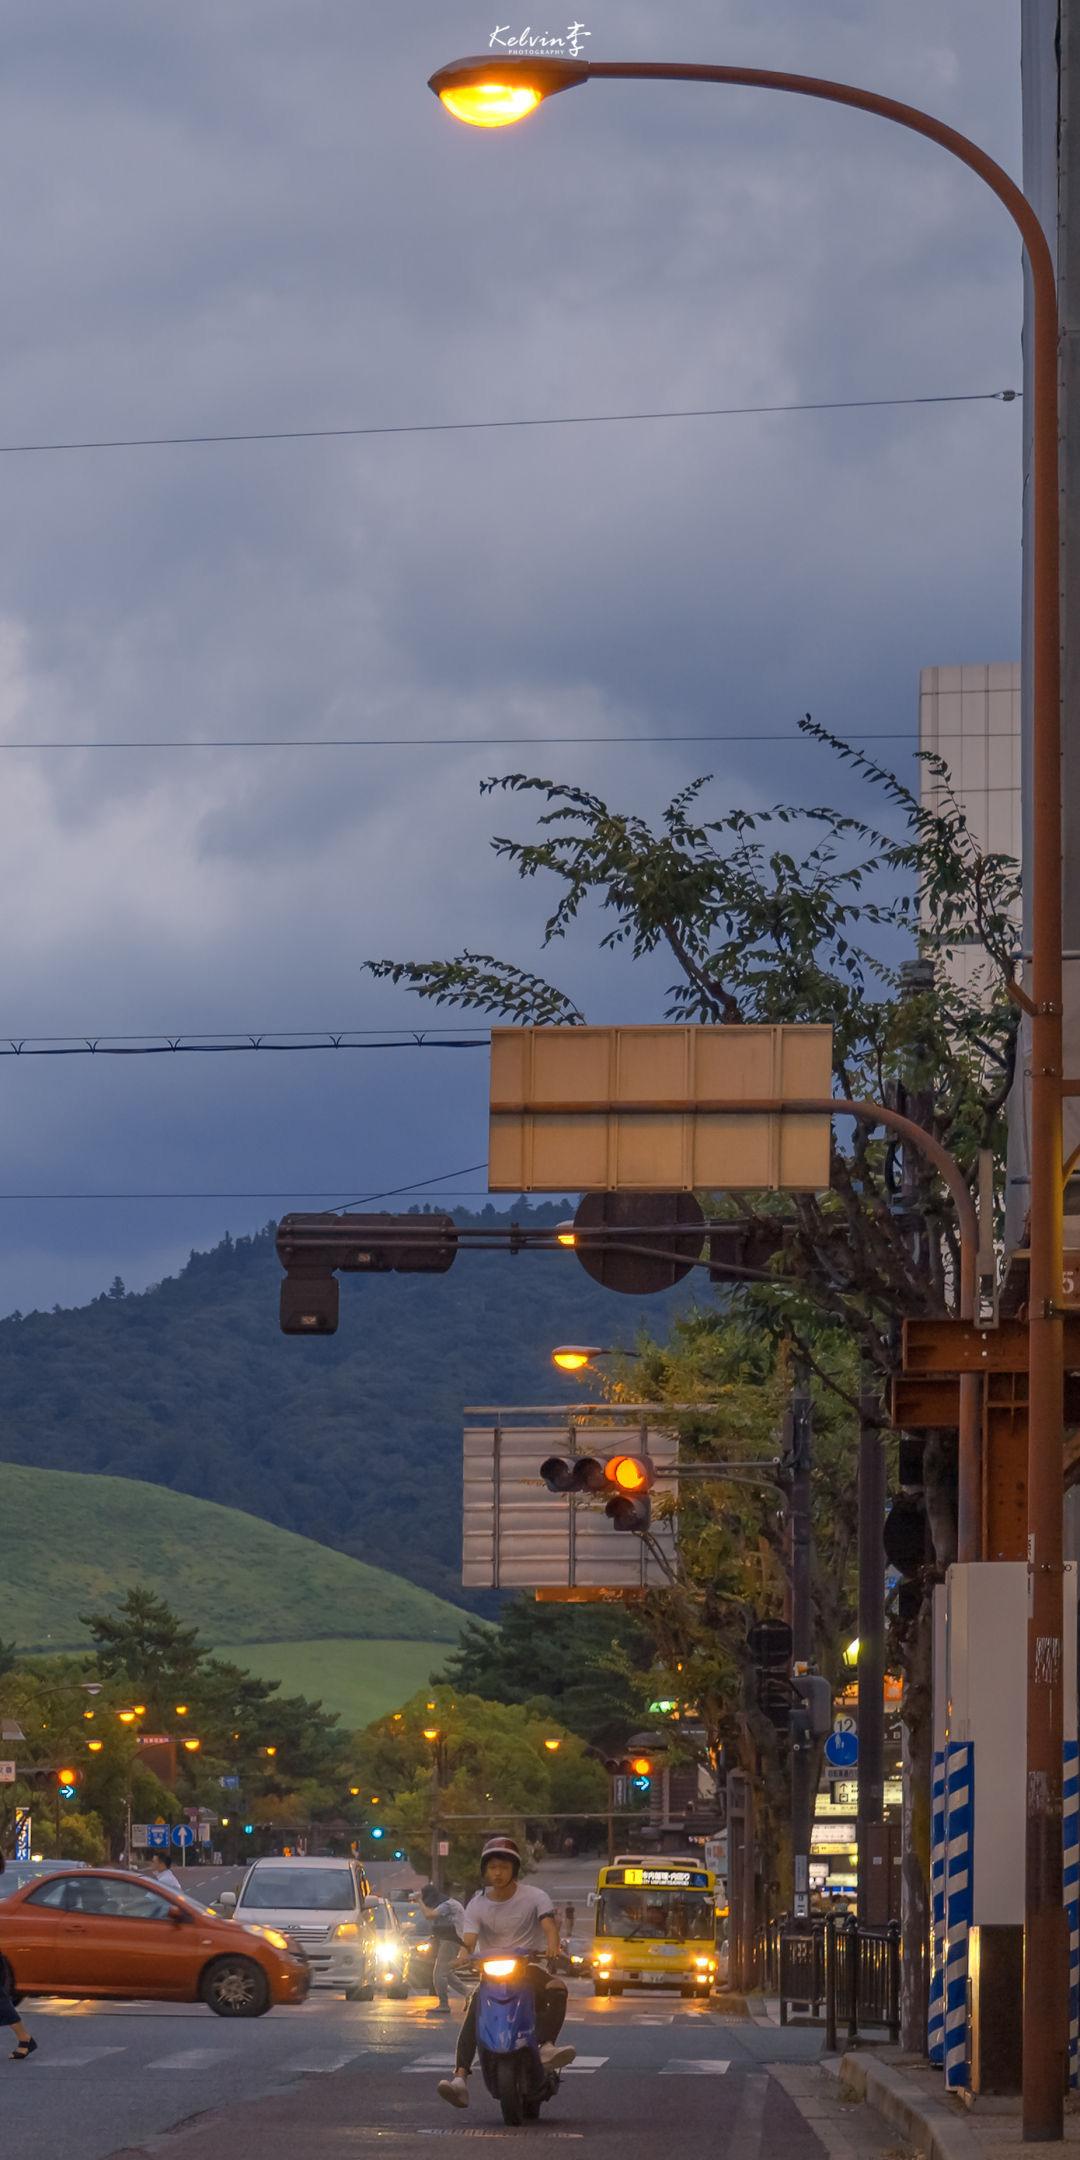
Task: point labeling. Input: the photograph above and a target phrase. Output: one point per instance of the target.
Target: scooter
(506, 2042)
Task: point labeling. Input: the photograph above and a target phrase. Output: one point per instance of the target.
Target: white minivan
(321, 1904)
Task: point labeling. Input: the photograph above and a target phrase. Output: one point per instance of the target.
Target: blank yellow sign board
(656, 1109)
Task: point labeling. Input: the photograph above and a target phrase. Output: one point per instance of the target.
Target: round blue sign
(183, 1834)
(842, 1750)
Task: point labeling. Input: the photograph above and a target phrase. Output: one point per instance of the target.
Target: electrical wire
(391, 1192)
(463, 427)
(435, 742)
(179, 1045)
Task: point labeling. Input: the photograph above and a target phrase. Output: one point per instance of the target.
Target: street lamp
(575, 1357)
(493, 93)
(553, 1746)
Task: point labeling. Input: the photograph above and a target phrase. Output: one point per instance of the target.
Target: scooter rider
(509, 1918)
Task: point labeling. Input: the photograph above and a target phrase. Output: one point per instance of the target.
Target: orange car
(100, 1932)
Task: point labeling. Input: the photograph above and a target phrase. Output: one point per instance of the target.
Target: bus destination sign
(661, 1878)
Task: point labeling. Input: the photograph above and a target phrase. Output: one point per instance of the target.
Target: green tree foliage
(491, 1761)
(290, 1756)
(585, 1665)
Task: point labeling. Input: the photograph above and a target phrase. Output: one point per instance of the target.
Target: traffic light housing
(626, 1479)
(314, 1249)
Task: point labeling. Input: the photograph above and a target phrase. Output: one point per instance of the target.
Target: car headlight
(424, 1946)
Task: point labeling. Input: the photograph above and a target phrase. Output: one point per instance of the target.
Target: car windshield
(660, 1915)
(294, 1889)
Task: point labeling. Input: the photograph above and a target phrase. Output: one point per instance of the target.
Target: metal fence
(846, 1973)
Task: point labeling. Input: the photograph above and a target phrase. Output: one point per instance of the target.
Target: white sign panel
(519, 1536)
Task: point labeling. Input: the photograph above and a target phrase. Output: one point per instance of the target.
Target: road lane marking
(587, 2063)
(79, 2059)
(204, 2058)
(695, 2066)
(311, 2066)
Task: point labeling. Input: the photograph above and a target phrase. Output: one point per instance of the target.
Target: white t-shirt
(452, 1909)
(509, 1926)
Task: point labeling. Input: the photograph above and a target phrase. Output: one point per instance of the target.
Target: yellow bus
(655, 1925)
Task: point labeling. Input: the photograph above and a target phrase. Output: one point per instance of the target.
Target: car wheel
(616, 1991)
(360, 1994)
(600, 1987)
(236, 1987)
(397, 1994)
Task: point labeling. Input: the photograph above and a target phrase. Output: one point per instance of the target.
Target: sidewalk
(942, 2126)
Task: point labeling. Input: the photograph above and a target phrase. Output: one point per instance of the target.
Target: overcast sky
(238, 215)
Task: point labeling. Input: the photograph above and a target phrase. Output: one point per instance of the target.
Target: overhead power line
(471, 427)
(439, 742)
(175, 1045)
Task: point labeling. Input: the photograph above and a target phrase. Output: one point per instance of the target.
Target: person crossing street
(9, 2016)
(447, 1916)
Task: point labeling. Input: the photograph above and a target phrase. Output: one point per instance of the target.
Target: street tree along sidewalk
(808, 914)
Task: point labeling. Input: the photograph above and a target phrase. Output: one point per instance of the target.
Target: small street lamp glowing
(88, 1713)
(139, 1709)
(574, 1357)
(493, 93)
(126, 1717)
(851, 1654)
(193, 1746)
(431, 1732)
(95, 1746)
(181, 1709)
(566, 1234)
(553, 1746)
(270, 1751)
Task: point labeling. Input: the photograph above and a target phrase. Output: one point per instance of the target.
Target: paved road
(133, 2080)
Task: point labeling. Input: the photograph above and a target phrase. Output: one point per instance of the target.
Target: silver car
(320, 1904)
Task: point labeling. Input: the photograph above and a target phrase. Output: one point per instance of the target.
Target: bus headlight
(603, 1957)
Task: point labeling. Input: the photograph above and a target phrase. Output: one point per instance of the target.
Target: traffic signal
(630, 1478)
(627, 1479)
(313, 1249)
(770, 1643)
(810, 1718)
(573, 1474)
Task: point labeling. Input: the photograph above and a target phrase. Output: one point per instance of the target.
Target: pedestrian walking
(25, 2042)
(447, 1916)
(159, 1871)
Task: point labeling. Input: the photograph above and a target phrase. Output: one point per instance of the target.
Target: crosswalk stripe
(190, 2059)
(586, 2063)
(80, 2059)
(695, 2066)
(310, 2066)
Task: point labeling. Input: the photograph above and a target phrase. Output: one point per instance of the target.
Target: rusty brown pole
(1045, 1945)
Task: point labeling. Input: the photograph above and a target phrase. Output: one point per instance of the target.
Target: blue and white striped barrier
(936, 2019)
(959, 1798)
(1070, 1839)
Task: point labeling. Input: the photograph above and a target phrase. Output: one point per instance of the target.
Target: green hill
(71, 1544)
(353, 1439)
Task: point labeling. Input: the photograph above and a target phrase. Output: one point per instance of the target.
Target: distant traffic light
(377, 1833)
(627, 1479)
(630, 1478)
(313, 1249)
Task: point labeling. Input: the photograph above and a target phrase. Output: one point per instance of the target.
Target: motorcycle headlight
(500, 1968)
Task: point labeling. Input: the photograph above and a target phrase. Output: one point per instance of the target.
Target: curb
(928, 2123)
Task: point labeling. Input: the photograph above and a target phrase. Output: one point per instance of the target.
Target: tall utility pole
(871, 1765)
(803, 1752)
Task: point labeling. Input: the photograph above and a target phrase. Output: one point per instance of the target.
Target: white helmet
(501, 1848)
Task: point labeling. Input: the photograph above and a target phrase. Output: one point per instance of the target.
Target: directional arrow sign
(842, 1749)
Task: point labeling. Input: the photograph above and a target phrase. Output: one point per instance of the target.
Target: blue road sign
(157, 1836)
(842, 1750)
(183, 1834)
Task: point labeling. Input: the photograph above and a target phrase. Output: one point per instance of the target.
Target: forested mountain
(352, 1439)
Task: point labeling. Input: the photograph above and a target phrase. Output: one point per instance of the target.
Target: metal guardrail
(851, 1974)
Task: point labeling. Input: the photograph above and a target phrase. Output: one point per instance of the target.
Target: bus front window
(669, 1916)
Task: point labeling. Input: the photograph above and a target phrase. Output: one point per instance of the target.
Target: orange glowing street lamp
(95, 1746)
(553, 1746)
